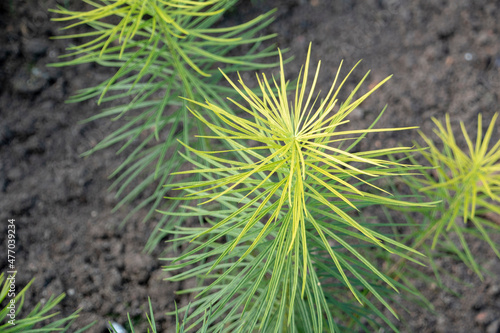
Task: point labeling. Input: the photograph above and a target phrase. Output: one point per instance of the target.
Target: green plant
(39, 319)
(179, 324)
(284, 244)
(149, 317)
(279, 209)
(162, 49)
(468, 186)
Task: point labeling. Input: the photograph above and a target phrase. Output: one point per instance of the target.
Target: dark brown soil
(445, 57)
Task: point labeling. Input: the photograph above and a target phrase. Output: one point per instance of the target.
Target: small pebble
(497, 61)
(468, 56)
(357, 114)
(494, 327)
(442, 323)
(36, 46)
(483, 317)
(494, 290)
(117, 327)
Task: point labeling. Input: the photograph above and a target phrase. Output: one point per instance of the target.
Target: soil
(445, 58)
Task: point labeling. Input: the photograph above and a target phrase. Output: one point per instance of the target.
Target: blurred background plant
(468, 185)
(41, 318)
(162, 50)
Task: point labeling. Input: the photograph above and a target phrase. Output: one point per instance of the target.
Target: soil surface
(445, 58)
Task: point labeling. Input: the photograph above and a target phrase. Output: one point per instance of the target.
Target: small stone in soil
(35, 46)
(484, 317)
(494, 327)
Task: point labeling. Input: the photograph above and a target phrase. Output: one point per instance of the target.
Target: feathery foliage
(468, 185)
(179, 325)
(162, 49)
(281, 193)
(278, 202)
(39, 319)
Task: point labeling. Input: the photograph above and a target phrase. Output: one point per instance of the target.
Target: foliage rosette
(279, 202)
(467, 184)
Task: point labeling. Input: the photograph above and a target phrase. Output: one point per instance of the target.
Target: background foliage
(162, 50)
